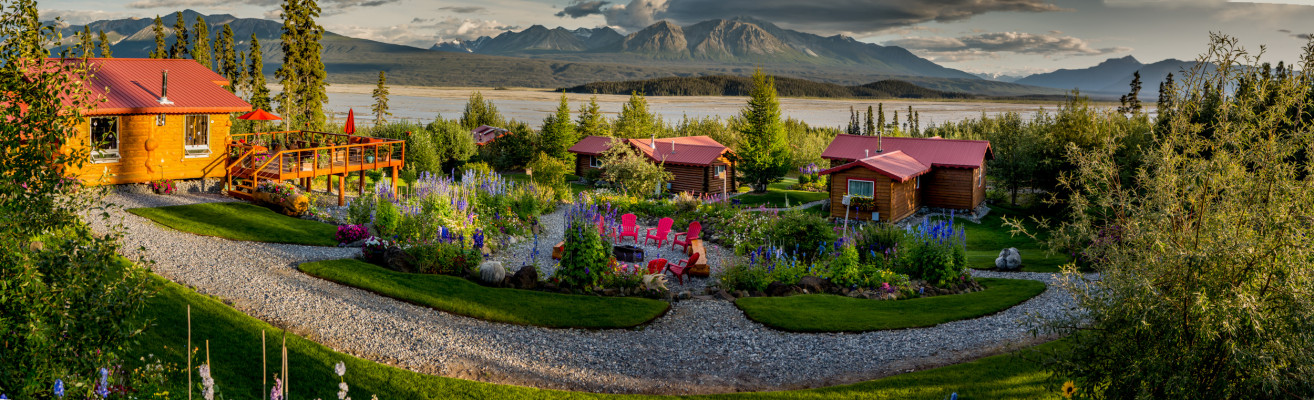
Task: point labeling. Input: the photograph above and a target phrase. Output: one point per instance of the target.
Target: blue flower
(59, 388)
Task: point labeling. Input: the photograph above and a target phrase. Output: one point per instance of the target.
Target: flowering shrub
(375, 249)
(279, 191)
(451, 258)
(352, 233)
(585, 257)
(936, 252)
(164, 186)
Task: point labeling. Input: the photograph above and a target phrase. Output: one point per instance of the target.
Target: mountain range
(557, 57)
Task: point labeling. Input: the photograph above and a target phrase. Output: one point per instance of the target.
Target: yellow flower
(1069, 389)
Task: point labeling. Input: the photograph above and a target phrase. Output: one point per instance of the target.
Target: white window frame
(109, 156)
(720, 171)
(849, 188)
(980, 177)
(917, 182)
(595, 162)
(196, 151)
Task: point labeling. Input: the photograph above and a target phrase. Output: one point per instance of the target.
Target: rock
(611, 292)
(525, 278)
(492, 272)
(549, 286)
(396, 259)
(369, 227)
(741, 293)
(685, 295)
(723, 295)
(703, 297)
(358, 243)
(1009, 259)
(777, 289)
(815, 285)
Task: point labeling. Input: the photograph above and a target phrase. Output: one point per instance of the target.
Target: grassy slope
(235, 356)
(460, 296)
(776, 194)
(241, 221)
(985, 240)
(831, 313)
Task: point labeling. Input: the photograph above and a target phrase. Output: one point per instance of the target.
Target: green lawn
(235, 354)
(831, 313)
(776, 194)
(985, 240)
(575, 188)
(463, 297)
(241, 221)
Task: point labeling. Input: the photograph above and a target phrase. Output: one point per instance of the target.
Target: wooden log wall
(131, 167)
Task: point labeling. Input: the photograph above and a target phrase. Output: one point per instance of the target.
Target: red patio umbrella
(260, 115)
(350, 129)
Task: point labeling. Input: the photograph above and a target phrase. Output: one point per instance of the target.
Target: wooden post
(264, 367)
(362, 183)
(394, 181)
(189, 352)
(342, 189)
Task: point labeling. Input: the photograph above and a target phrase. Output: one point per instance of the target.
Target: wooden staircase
(248, 164)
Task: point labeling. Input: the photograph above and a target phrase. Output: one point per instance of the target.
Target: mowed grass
(241, 221)
(235, 356)
(777, 193)
(831, 313)
(985, 240)
(463, 297)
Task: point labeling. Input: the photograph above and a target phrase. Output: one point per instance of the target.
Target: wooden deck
(312, 154)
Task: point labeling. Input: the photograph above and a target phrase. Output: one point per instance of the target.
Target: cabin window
(862, 188)
(595, 162)
(197, 135)
(720, 171)
(980, 177)
(917, 183)
(104, 139)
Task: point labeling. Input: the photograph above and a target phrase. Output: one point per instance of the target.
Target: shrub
(585, 257)
(802, 233)
(444, 258)
(387, 218)
(877, 242)
(361, 209)
(477, 168)
(352, 233)
(593, 176)
(550, 172)
(936, 252)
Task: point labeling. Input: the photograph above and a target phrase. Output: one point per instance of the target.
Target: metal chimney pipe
(866, 153)
(879, 147)
(164, 89)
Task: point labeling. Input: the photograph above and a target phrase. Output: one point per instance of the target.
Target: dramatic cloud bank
(988, 44)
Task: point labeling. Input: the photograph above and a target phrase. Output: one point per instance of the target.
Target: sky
(1008, 37)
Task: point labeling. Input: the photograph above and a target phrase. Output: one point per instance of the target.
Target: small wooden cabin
(161, 119)
(698, 163)
(889, 179)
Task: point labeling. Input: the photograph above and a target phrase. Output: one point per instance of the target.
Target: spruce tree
(871, 123)
(917, 123)
(226, 56)
(302, 74)
(481, 112)
(558, 132)
(1131, 102)
(256, 76)
(635, 121)
(764, 155)
(160, 50)
(895, 122)
(853, 122)
(87, 46)
(591, 122)
(105, 51)
(880, 118)
(380, 107)
(181, 42)
(201, 49)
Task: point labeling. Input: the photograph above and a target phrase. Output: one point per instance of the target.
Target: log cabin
(890, 178)
(699, 164)
(160, 119)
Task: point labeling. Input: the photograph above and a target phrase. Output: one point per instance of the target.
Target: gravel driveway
(699, 346)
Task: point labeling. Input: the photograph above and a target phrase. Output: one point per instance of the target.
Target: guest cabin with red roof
(152, 126)
(698, 163)
(901, 175)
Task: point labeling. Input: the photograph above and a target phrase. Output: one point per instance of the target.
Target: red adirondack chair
(681, 268)
(690, 235)
(629, 227)
(663, 230)
(602, 229)
(657, 265)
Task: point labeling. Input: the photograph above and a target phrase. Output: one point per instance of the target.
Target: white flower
(340, 368)
(342, 386)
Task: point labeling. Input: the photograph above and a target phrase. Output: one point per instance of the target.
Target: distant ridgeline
(728, 85)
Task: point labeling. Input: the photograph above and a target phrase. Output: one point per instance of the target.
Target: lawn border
(780, 329)
(631, 327)
(162, 225)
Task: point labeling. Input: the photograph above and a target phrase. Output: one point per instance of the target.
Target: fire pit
(627, 253)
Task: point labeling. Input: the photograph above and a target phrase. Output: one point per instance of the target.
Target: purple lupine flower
(59, 388)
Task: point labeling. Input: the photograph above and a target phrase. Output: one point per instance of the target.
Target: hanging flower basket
(164, 187)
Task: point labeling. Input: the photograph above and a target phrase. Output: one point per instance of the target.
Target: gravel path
(700, 346)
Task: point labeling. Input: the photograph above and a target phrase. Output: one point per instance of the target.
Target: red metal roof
(688, 150)
(134, 87)
(930, 151)
(485, 134)
(896, 164)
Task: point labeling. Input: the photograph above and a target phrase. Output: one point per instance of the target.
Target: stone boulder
(816, 285)
(777, 289)
(1009, 260)
(525, 278)
(492, 272)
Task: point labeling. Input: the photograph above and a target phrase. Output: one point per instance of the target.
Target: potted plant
(163, 187)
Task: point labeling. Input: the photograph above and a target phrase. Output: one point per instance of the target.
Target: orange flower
(1069, 389)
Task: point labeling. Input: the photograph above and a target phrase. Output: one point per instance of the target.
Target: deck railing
(308, 154)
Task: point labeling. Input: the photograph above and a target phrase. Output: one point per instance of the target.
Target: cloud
(80, 17)
(636, 15)
(424, 32)
(582, 8)
(463, 10)
(328, 7)
(989, 45)
(1303, 36)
